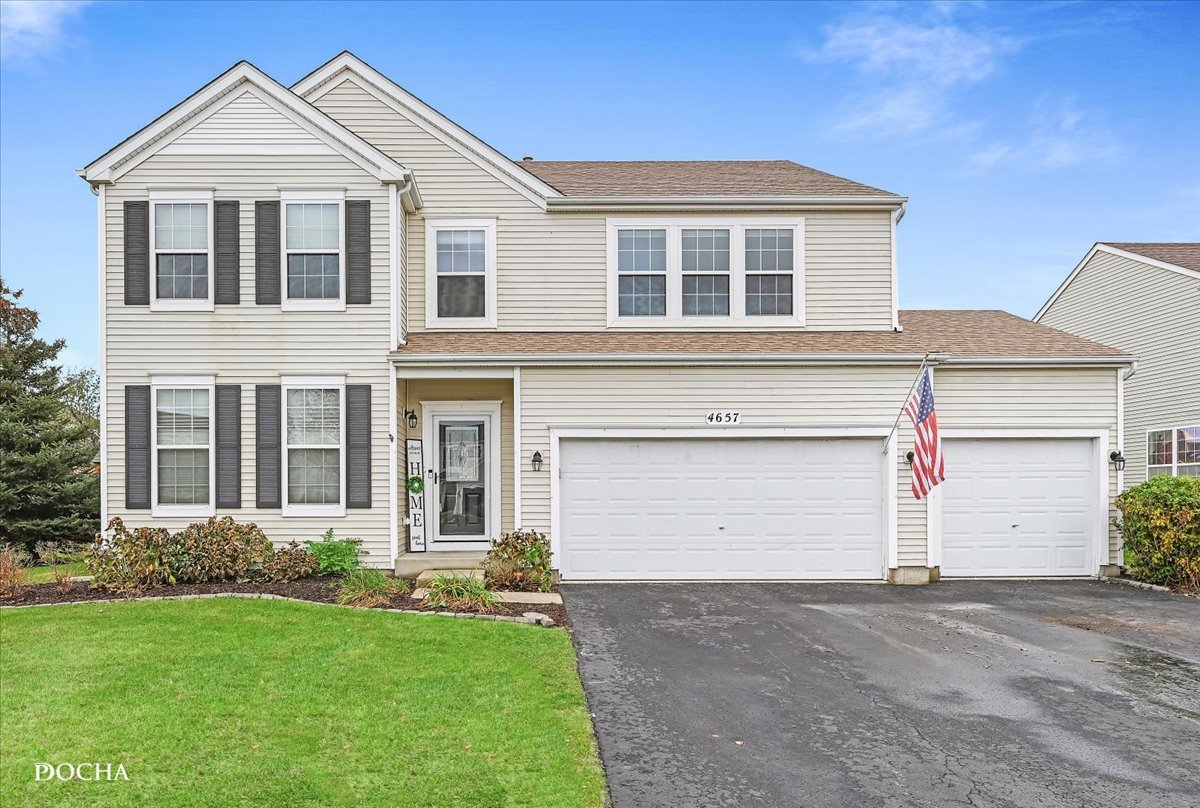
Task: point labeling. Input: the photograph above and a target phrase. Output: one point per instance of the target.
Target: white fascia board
(403, 360)
(1101, 247)
(724, 203)
(184, 115)
(487, 157)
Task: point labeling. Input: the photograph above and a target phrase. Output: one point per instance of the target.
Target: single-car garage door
(713, 508)
(1019, 507)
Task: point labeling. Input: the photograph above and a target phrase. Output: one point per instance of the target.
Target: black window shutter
(358, 251)
(227, 235)
(137, 446)
(266, 253)
(267, 415)
(137, 254)
(229, 445)
(358, 446)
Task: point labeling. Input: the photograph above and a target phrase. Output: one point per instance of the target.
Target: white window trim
(737, 271)
(312, 383)
(432, 320)
(312, 196)
(182, 196)
(199, 510)
(1174, 464)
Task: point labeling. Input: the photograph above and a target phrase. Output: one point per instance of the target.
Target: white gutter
(725, 203)
(741, 360)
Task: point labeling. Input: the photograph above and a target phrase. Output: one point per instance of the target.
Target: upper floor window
(1173, 451)
(460, 273)
(181, 249)
(182, 456)
(706, 272)
(312, 244)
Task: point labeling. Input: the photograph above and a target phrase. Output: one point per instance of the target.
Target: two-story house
(329, 306)
(1145, 299)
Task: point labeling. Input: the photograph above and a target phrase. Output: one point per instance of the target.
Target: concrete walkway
(961, 693)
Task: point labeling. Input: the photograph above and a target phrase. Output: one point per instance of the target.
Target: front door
(461, 490)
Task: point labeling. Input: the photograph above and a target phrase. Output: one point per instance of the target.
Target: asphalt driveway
(1053, 693)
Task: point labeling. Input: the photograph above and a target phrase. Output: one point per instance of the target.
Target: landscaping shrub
(56, 554)
(131, 560)
(1161, 526)
(12, 571)
(519, 561)
(218, 550)
(369, 588)
(459, 592)
(289, 563)
(336, 556)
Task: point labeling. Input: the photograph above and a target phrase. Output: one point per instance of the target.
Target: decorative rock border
(529, 618)
(1137, 584)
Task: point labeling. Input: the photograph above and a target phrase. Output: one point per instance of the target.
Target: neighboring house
(678, 370)
(1144, 299)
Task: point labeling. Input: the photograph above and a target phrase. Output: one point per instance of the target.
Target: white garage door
(713, 508)
(1019, 507)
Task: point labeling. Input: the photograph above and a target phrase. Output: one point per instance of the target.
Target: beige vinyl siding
(246, 122)
(804, 397)
(1153, 313)
(551, 268)
(501, 390)
(250, 344)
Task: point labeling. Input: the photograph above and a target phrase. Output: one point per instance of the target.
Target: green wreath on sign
(416, 484)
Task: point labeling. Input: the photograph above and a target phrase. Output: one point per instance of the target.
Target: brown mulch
(316, 590)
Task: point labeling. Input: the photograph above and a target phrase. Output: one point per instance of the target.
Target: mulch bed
(316, 590)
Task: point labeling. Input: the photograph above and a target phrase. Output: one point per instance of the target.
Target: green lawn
(43, 575)
(247, 702)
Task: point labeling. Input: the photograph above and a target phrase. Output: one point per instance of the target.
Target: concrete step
(410, 565)
(427, 576)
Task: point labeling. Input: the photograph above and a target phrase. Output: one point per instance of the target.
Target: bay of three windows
(708, 262)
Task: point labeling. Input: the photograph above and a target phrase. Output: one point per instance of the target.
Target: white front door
(721, 508)
(1019, 507)
(461, 448)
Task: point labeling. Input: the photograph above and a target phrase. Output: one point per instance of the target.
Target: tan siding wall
(247, 121)
(467, 390)
(801, 397)
(1153, 313)
(551, 272)
(249, 344)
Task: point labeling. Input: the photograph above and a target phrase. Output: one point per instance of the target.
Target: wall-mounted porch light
(1117, 459)
(411, 415)
(909, 458)
(537, 461)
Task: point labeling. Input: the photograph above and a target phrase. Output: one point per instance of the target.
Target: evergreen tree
(47, 489)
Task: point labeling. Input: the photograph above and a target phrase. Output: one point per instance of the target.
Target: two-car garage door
(713, 508)
(703, 508)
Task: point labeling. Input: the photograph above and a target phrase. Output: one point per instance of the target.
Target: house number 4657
(723, 418)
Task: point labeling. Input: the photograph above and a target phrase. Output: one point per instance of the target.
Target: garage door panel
(722, 508)
(1019, 507)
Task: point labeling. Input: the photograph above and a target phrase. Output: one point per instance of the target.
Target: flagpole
(896, 423)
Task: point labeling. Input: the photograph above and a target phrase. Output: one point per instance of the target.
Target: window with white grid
(769, 267)
(462, 272)
(181, 249)
(183, 446)
(313, 434)
(313, 244)
(642, 272)
(705, 265)
(1173, 451)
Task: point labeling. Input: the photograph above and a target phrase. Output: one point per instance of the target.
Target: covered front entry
(709, 508)
(462, 458)
(1022, 507)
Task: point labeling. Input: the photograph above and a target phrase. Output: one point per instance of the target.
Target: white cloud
(29, 28)
(915, 67)
(1061, 135)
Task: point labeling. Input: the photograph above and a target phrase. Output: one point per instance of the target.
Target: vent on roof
(527, 158)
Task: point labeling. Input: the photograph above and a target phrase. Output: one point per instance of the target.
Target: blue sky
(1022, 132)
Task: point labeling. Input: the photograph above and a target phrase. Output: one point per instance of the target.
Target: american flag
(928, 466)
